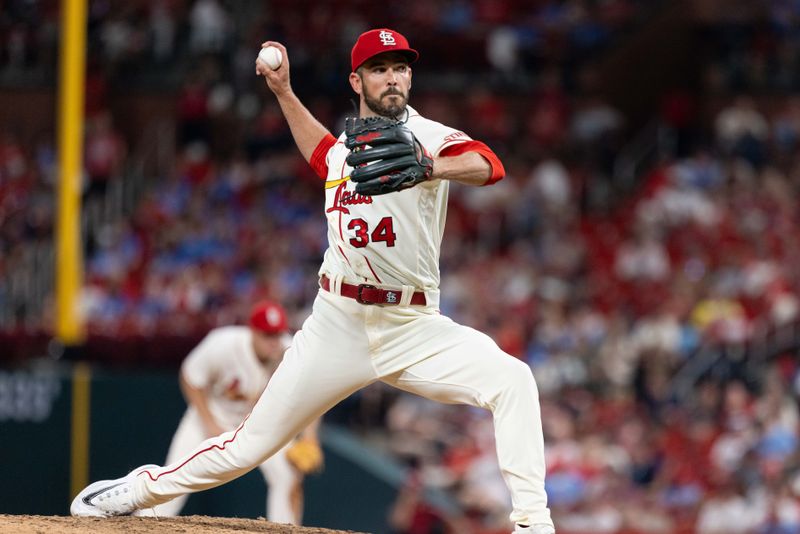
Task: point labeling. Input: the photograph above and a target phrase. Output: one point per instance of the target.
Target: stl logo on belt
(387, 38)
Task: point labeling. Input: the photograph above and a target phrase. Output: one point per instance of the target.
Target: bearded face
(385, 82)
(390, 103)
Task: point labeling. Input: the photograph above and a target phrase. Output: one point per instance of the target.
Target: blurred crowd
(755, 47)
(607, 296)
(147, 35)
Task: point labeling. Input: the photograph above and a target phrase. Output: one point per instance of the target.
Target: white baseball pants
(280, 476)
(345, 346)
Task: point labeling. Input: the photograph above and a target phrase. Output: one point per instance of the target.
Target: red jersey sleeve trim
(498, 172)
(320, 154)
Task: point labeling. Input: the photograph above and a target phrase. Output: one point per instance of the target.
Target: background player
(375, 316)
(221, 379)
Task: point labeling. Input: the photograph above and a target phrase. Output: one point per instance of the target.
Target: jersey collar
(411, 111)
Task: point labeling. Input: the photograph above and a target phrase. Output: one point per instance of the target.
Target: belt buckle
(359, 298)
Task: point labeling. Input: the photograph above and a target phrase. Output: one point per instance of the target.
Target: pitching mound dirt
(195, 524)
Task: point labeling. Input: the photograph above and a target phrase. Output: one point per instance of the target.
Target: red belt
(368, 294)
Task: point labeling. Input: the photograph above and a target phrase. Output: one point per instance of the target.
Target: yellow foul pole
(69, 265)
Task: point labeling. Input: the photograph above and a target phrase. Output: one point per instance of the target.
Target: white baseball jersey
(226, 365)
(394, 239)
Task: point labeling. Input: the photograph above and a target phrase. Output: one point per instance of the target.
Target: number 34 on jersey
(363, 234)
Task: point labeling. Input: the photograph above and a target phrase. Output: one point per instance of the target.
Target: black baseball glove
(393, 160)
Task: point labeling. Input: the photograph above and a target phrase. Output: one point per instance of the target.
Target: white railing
(765, 344)
(650, 144)
(28, 288)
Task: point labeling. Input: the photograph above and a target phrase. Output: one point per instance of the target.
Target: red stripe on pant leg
(198, 453)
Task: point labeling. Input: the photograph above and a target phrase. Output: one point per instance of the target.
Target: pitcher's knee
(517, 375)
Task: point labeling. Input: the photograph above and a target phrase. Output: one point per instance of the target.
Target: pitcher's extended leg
(326, 362)
(190, 432)
(467, 367)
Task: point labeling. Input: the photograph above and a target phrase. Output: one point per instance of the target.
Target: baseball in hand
(271, 57)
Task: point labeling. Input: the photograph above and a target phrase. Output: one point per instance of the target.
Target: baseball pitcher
(386, 180)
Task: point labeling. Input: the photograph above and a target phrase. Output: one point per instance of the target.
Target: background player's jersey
(225, 365)
(392, 239)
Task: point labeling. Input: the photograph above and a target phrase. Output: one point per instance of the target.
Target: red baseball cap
(375, 42)
(268, 317)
